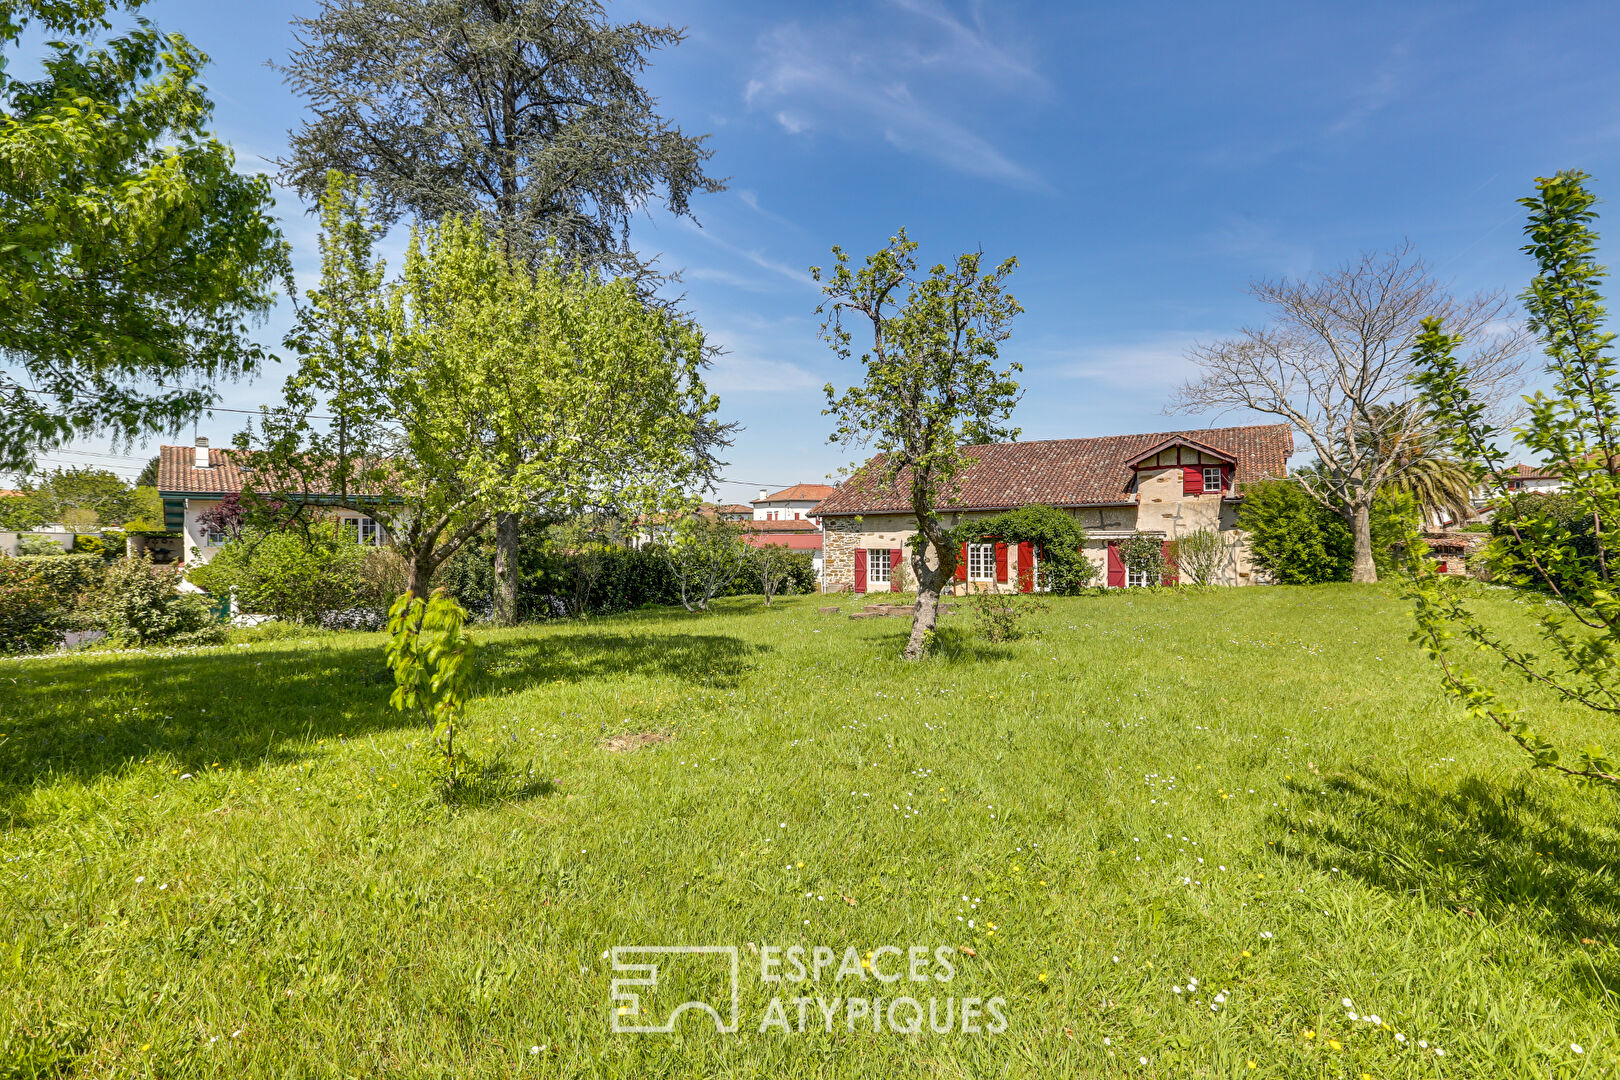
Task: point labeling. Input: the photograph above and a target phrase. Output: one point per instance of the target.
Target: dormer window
(1212, 478)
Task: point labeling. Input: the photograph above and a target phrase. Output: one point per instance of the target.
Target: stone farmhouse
(1166, 484)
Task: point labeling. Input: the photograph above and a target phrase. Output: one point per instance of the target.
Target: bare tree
(1338, 348)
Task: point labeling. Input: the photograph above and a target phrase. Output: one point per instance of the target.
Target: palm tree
(1441, 485)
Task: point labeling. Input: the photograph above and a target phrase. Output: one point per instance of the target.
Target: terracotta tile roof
(736, 508)
(798, 541)
(800, 493)
(178, 472)
(1533, 472)
(799, 525)
(1068, 472)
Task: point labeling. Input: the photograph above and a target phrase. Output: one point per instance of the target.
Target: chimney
(761, 494)
(202, 452)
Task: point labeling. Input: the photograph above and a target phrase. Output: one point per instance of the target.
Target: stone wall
(840, 538)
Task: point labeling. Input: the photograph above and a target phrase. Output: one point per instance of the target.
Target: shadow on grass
(95, 716)
(1482, 850)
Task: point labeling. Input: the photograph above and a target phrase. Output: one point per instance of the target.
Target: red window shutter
(1026, 567)
(1172, 573)
(1226, 478)
(860, 569)
(1192, 479)
(894, 569)
(961, 565)
(1116, 568)
(1001, 562)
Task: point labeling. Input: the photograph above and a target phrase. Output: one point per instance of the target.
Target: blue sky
(1142, 161)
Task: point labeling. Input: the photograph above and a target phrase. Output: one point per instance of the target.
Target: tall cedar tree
(527, 113)
(134, 256)
(932, 387)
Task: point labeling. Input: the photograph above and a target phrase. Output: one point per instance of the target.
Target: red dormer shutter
(894, 569)
(1192, 479)
(860, 570)
(1001, 562)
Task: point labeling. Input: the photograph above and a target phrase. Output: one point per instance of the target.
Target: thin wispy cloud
(753, 255)
(907, 81)
(1373, 97)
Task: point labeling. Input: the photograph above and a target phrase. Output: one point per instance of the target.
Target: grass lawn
(227, 862)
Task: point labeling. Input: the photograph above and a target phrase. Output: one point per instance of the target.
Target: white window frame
(981, 562)
(371, 531)
(213, 538)
(1135, 579)
(1216, 469)
(877, 565)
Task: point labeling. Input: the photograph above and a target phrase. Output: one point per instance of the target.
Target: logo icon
(660, 967)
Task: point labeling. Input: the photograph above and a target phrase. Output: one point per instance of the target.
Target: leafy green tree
(705, 555)
(1575, 428)
(148, 477)
(473, 386)
(932, 387)
(134, 253)
(771, 565)
(83, 495)
(430, 652)
(525, 115)
(1292, 536)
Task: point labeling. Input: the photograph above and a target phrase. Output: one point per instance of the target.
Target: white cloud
(908, 82)
(733, 373)
(1153, 364)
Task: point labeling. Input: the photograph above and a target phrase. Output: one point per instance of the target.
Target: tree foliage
(705, 556)
(295, 575)
(932, 387)
(472, 385)
(134, 255)
(1293, 537)
(1575, 428)
(527, 115)
(429, 652)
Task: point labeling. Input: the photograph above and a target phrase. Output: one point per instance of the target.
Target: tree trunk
(930, 580)
(506, 569)
(1365, 571)
(419, 573)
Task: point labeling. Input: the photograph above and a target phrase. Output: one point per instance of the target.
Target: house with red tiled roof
(791, 503)
(192, 480)
(1165, 484)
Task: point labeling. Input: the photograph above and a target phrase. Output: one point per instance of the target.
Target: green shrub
(85, 544)
(1143, 553)
(1200, 555)
(1064, 568)
(35, 546)
(68, 577)
(30, 615)
(138, 604)
(292, 574)
(1294, 538)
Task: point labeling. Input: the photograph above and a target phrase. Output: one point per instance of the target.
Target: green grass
(303, 905)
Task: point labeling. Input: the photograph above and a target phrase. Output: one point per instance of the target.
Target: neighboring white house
(192, 480)
(790, 504)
